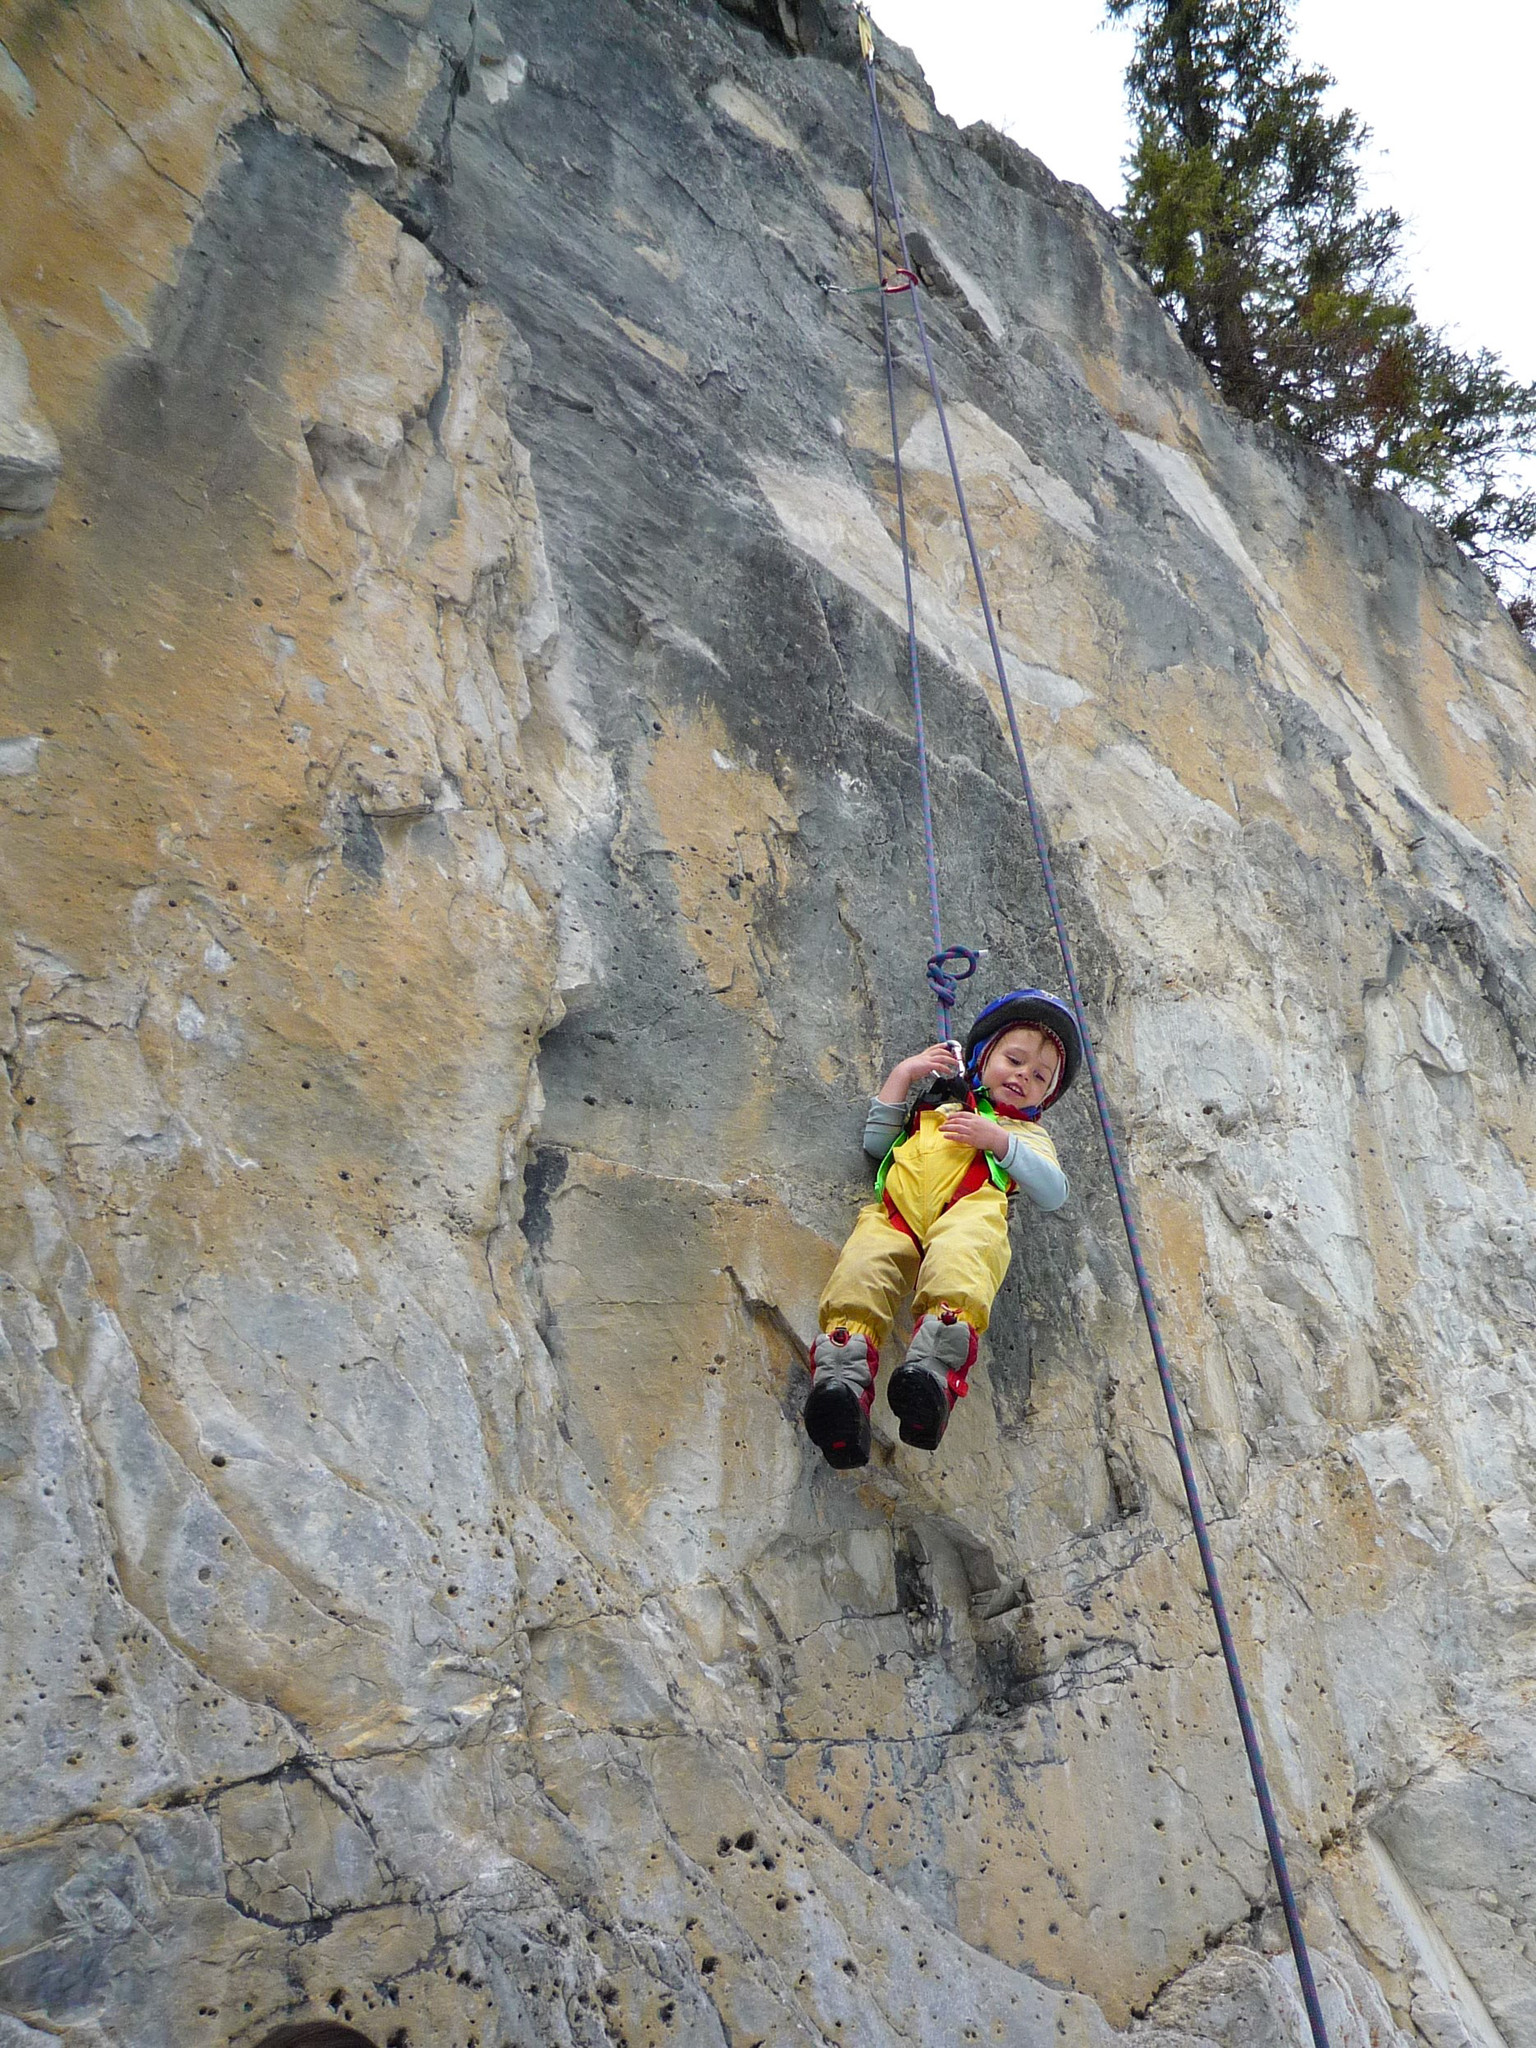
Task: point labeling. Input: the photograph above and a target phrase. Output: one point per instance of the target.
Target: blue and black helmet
(1047, 1013)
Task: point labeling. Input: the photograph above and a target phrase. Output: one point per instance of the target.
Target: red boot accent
(958, 1376)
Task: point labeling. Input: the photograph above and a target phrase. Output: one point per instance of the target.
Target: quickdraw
(893, 286)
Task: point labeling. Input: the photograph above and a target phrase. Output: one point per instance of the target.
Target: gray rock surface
(462, 876)
(30, 461)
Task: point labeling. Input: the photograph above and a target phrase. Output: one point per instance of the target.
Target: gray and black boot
(843, 1368)
(931, 1378)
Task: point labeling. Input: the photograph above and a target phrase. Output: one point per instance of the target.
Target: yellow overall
(952, 1256)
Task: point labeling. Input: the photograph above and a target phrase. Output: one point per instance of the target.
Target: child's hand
(965, 1127)
(919, 1066)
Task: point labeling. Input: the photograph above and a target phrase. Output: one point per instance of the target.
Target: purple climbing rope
(948, 966)
(1245, 1719)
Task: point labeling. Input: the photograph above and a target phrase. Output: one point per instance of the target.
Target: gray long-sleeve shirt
(1030, 1161)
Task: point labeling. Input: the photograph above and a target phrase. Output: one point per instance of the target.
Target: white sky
(1447, 92)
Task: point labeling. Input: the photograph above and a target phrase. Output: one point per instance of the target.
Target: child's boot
(932, 1378)
(843, 1368)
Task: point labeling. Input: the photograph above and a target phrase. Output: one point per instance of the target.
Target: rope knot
(948, 969)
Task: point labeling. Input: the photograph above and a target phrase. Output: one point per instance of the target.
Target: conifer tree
(1244, 203)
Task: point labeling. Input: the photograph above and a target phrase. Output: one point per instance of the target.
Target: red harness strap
(976, 1175)
(900, 1221)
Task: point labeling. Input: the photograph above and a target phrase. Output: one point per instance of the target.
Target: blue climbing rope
(1245, 1719)
(943, 980)
(946, 971)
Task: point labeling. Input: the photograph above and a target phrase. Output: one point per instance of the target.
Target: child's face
(1020, 1070)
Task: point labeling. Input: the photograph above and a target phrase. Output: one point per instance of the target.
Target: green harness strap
(994, 1164)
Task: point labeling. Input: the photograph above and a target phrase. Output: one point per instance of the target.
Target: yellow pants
(958, 1262)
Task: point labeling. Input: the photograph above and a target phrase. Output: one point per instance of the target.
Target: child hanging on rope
(939, 1220)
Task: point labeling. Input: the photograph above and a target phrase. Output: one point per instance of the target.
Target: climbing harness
(880, 173)
(985, 1166)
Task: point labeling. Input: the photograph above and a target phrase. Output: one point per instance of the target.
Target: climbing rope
(881, 173)
(943, 977)
(948, 966)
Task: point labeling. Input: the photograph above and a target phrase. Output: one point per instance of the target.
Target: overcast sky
(1447, 92)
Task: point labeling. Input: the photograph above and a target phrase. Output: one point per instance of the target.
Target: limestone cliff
(29, 453)
(462, 875)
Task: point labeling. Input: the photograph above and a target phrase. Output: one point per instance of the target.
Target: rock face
(29, 454)
(462, 873)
